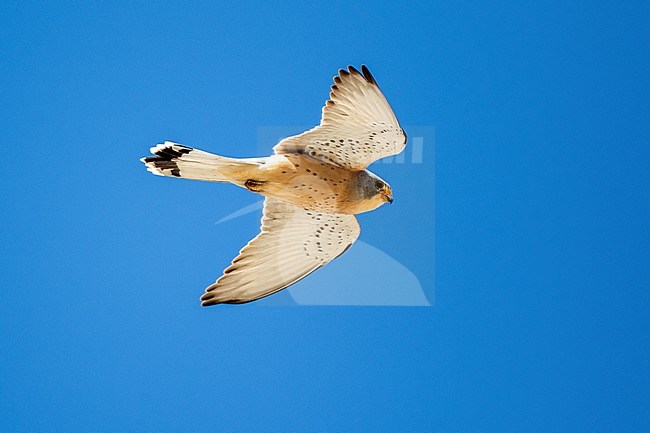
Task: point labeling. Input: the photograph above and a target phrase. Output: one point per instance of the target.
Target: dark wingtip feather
(208, 299)
(353, 70)
(367, 75)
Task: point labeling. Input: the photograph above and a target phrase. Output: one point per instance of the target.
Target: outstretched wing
(357, 127)
(293, 243)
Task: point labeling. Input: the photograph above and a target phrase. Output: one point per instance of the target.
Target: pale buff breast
(312, 184)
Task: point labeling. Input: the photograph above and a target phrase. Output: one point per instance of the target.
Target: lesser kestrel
(314, 184)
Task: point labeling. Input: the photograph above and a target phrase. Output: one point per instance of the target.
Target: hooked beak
(387, 194)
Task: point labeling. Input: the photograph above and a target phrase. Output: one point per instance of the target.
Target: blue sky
(526, 225)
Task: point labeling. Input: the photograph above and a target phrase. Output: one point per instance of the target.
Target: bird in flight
(313, 184)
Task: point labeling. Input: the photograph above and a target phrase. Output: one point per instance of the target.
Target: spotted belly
(308, 183)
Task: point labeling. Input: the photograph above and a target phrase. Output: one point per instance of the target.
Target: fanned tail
(176, 160)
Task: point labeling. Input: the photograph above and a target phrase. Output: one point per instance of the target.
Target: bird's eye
(379, 185)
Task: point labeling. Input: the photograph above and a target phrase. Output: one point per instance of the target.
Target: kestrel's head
(374, 190)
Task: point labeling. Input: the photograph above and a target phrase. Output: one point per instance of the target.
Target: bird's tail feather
(176, 160)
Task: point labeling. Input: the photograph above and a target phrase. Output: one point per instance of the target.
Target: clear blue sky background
(541, 314)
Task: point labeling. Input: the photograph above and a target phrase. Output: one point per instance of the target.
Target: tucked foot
(254, 185)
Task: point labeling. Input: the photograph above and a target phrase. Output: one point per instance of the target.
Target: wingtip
(367, 75)
(353, 70)
(208, 299)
